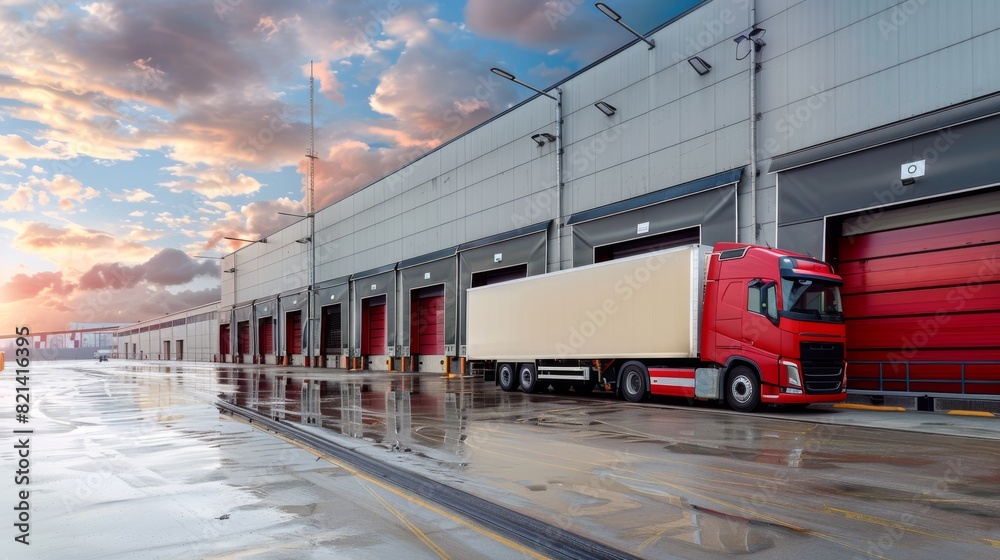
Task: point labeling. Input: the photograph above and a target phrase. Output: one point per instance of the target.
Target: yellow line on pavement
(870, 407)
(972, 413)
(409, 525)
(893, 524)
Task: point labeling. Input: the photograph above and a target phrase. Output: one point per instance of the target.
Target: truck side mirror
(769, 302)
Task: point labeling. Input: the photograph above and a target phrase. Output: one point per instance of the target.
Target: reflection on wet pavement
(138, 463)
(662, 482)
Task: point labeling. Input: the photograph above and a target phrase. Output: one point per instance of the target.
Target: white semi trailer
(749, 324)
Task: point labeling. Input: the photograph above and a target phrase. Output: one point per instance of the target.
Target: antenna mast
(313, 319)
(312, 142)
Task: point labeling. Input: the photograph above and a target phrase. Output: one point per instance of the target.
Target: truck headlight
(792, 374)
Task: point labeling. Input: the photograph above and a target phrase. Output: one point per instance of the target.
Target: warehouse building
(861, 132)
(187, 335)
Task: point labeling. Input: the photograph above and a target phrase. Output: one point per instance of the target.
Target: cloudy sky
(135, 135)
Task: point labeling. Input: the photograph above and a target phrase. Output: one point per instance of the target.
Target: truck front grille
(822, 367)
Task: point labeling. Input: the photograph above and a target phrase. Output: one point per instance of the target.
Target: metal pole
(559, 179)
(310, 299)
(753, 127)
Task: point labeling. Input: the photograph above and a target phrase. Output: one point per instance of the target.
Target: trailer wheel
(506, 377)
(742, 389)
(633, 381)
(529, 378)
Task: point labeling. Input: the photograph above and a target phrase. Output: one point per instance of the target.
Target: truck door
(729, 316)
(760, 337)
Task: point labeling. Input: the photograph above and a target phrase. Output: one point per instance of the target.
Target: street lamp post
(233, 272)
(230, 270)
(311, 317)
(559, 154)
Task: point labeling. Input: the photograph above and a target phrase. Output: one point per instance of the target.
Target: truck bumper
(771, 394)
(785, 398)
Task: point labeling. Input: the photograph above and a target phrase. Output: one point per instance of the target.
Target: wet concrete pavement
(654, 480)
(127, 465)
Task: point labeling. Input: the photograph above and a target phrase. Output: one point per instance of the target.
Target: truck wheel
(529, 378)
(634, 381)
(742, 389)
(506, 377)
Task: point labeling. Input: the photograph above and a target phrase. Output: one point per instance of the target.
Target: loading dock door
(293, 332)
(180, 350)
(647, 244)
(427, 321)
(498, 275)
(265, 335)
(373, 339)
(243, 342)
(332, 332)
(922, 306)
(223, 341)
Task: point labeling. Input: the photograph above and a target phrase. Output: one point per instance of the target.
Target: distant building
(80, 342)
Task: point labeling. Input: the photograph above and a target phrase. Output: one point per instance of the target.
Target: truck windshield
(805, 298)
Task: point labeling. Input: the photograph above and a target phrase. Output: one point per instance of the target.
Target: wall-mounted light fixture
(230, 270)
(606, 108)
(756, 36)
(508, 76)
(261, 240)
(304, 240)
(539, 139)
(615, 17)
(908, 172)
(699, 65)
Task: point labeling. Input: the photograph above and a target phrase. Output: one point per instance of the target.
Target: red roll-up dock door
(293, 332)
(223, 341)
(265, 336)
(373, 326)
(243, 342)
(922, 306)
(427, 321)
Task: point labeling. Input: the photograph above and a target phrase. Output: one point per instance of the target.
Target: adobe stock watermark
(453, 122)
(896, 531)
(773, 488)
(602, 489)
(943, 142)
(583, 159)
(899, 16)
(796, 119)
(560, 11)
(625, 288)
(29, 28)
(712, 31)
(958, 298)
(583, 155)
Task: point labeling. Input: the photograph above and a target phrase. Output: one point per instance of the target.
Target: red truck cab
(773, 319)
